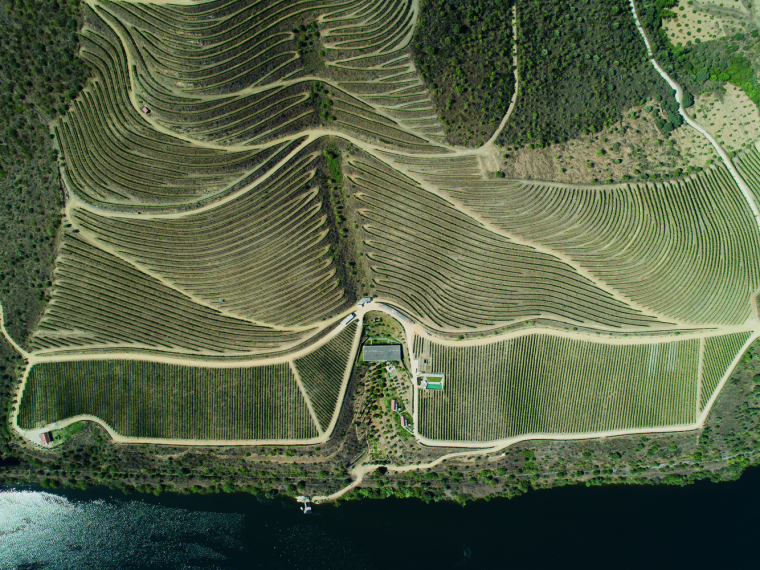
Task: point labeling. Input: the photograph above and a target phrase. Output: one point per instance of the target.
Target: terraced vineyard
(102, 302)
(164, 401)
(719, 351)
(323, 373)
(259, 71)
(265, 253)
(445, 268)
(239, 174)
(748, 164)
(540, 384)
(633, 238)
(113, 157)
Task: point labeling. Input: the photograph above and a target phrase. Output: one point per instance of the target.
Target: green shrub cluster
(669, 109)
(464, 52)
(581, 64)
(40, 76)
(702, 66)
(39, 67)
(706, 66)
(308, 45)
(10, 362)
(320, 100)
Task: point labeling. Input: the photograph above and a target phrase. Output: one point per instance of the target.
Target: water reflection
(41, 530)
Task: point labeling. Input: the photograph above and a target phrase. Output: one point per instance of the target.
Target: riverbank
(720, 450)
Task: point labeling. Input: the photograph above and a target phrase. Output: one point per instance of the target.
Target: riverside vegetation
(234, 178)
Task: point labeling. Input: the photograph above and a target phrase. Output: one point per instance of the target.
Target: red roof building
(394, 405)
(145, 110)
(46, 438)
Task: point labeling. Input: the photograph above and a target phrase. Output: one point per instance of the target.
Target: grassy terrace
(748, 163)
(255, 45)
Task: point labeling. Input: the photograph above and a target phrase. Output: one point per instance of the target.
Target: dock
(306, 503)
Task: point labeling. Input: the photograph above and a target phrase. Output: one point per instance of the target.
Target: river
(699, 526)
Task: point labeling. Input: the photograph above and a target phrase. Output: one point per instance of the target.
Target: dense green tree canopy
(40, 76)
(464, 51)
(581, 64)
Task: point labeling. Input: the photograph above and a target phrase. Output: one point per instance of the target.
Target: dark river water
(705, 525)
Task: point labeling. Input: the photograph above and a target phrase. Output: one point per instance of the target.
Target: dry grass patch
(730, 116)
(724, 5)
(689, 25)
(694, 147)
(635, 142)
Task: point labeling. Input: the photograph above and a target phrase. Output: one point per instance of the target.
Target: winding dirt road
(692, 123)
